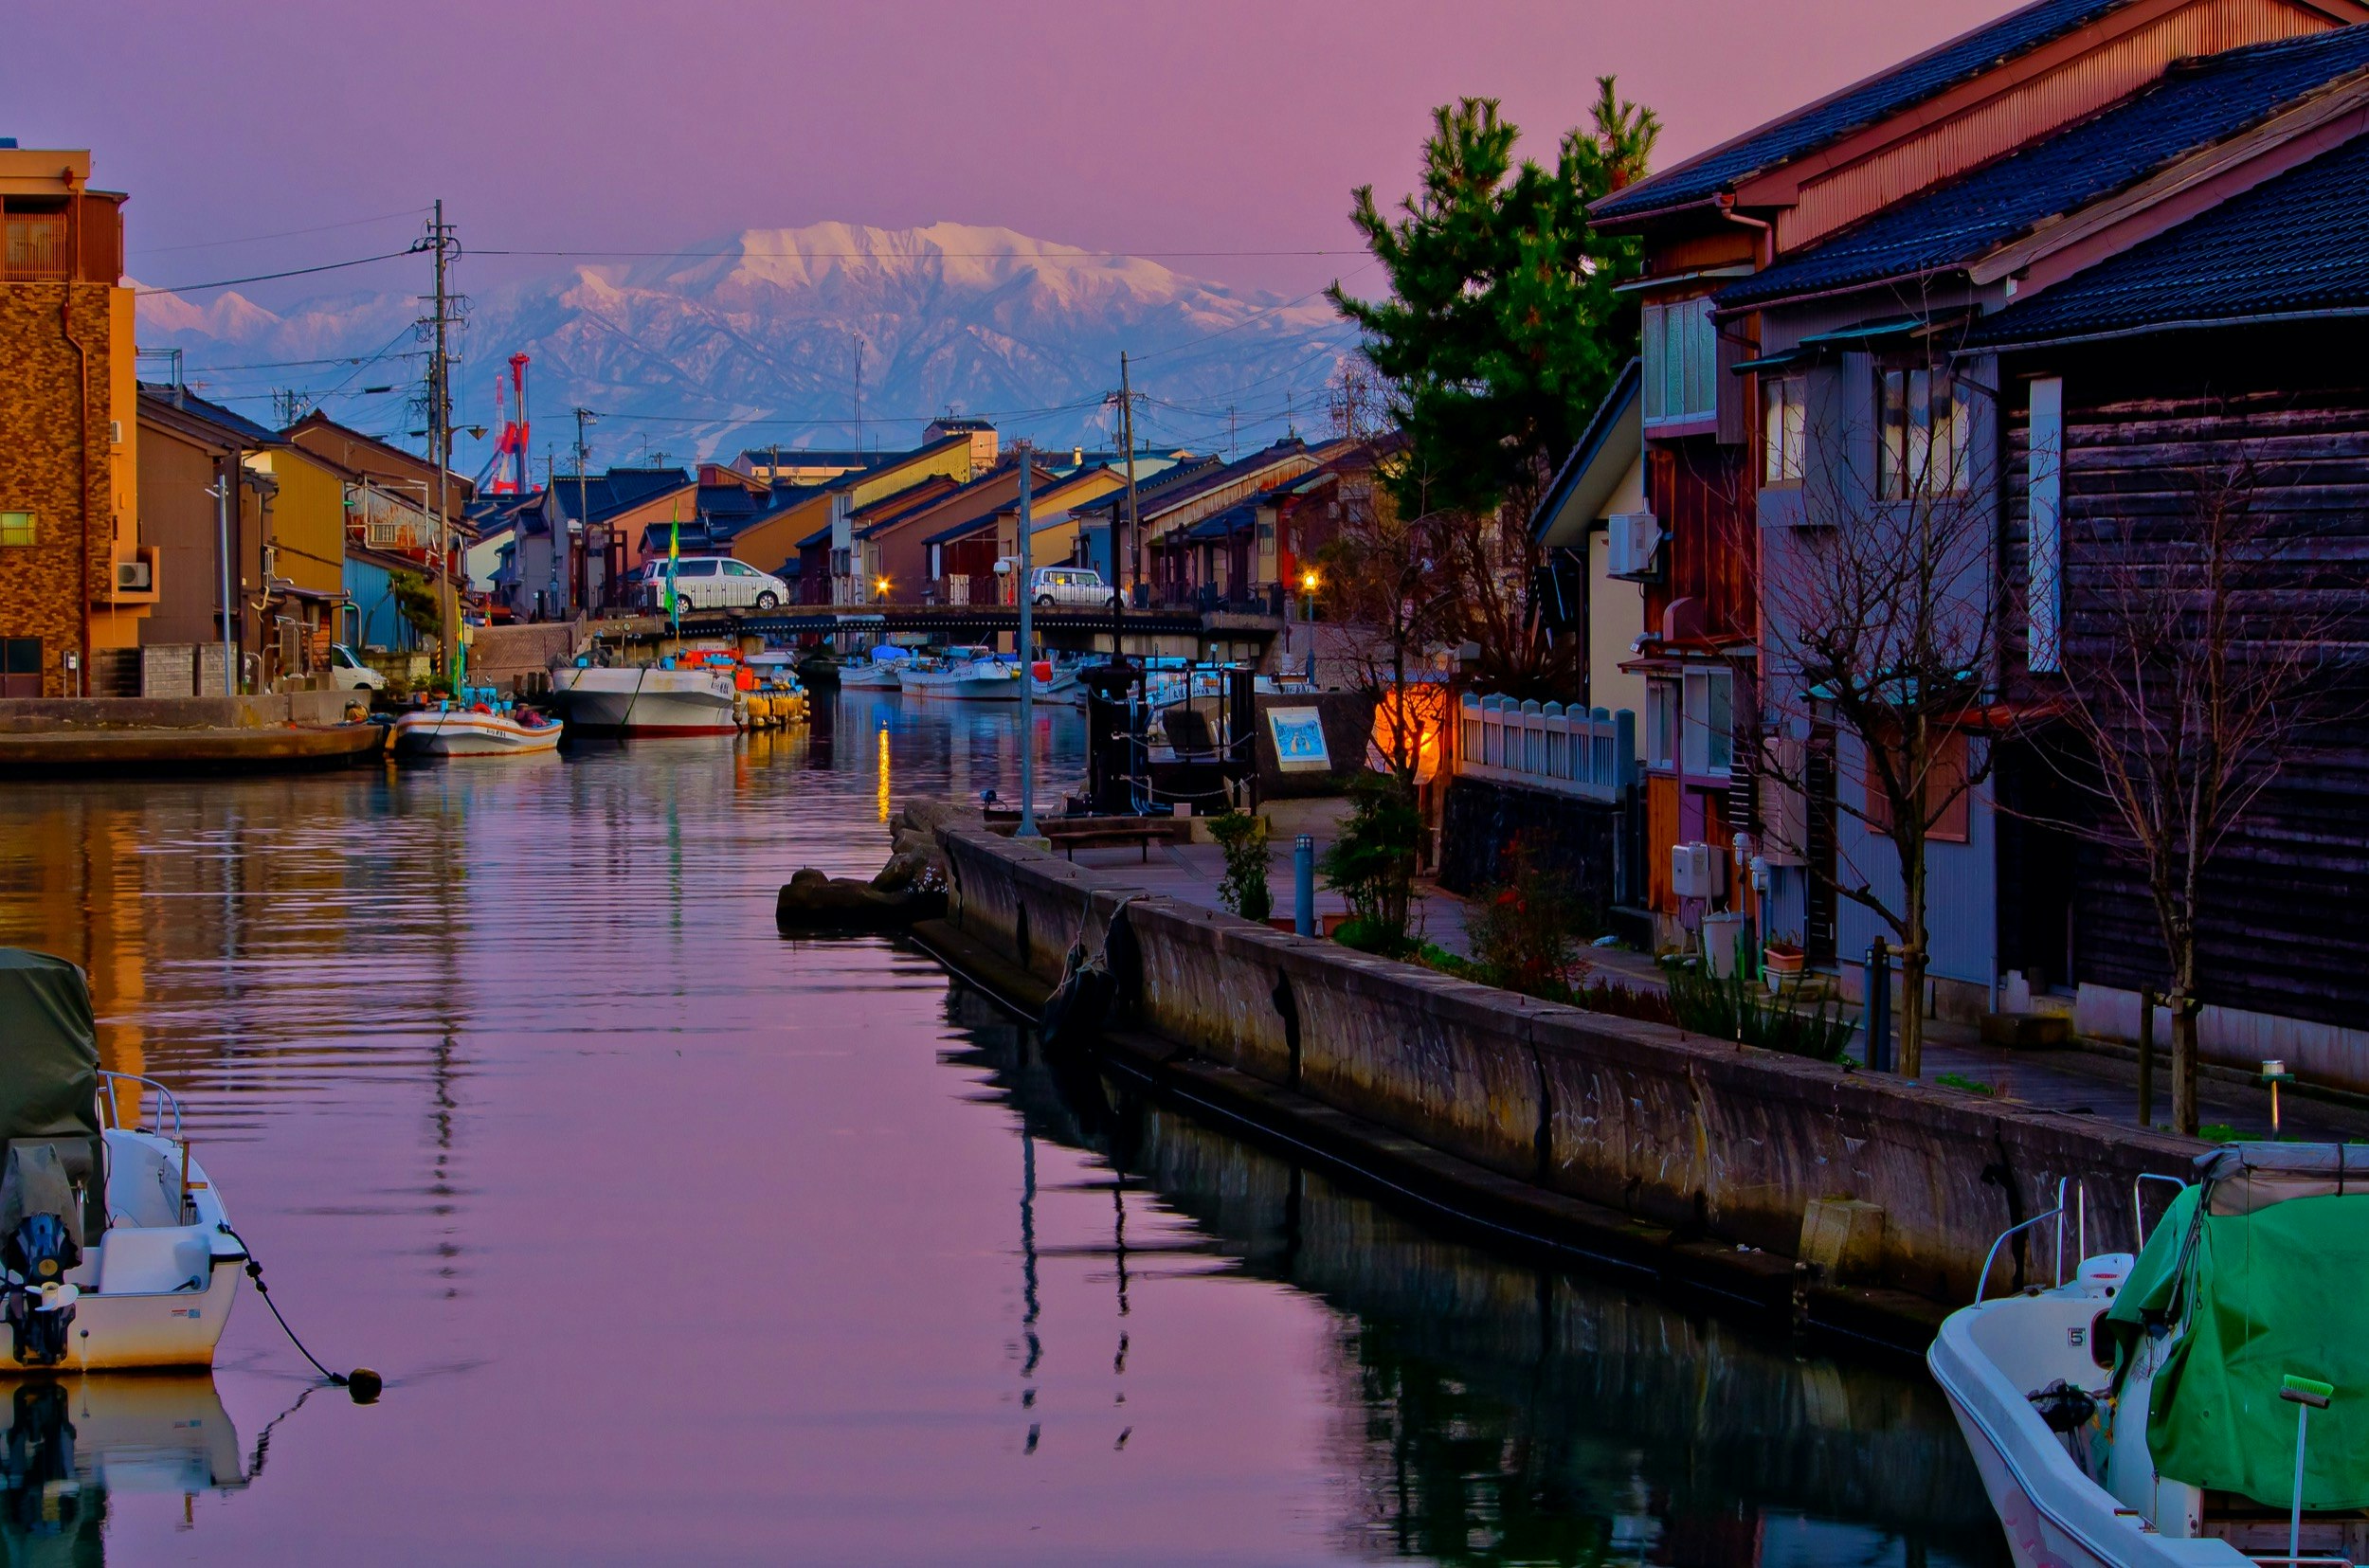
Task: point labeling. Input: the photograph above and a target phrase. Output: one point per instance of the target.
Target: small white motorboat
(2203, 1405)
(116, 1247)
(646, 699)
(966, 675)
(480, 729)
(884, 671)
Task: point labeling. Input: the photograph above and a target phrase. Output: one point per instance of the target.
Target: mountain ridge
(753, 336)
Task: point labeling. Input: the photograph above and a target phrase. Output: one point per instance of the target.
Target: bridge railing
(1587, 753)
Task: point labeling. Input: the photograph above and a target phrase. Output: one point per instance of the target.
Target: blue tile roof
(2196, 105)
(1857, 106)
(2299, 242)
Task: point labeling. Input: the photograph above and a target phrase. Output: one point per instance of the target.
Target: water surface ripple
(681, 1243)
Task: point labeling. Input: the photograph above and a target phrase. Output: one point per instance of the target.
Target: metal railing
(108, 1111)
(2138, 1214)
(1591, 754)
(2056, 1214)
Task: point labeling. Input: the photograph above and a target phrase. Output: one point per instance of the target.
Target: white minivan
(706, 583)
(347, 673)
(1051, 585)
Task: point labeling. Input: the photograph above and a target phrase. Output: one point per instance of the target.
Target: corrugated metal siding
(2034, 109)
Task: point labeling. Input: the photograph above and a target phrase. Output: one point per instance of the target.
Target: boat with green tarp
(2205, 1402)
(114, 1249)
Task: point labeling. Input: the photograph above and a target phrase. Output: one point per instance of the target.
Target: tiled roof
(238, 425)
(2297, 243)
(2196, 105)
(1601, 427)
(1158, 486)
(1857, 106)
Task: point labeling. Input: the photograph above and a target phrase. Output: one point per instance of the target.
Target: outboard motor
(39, 1209)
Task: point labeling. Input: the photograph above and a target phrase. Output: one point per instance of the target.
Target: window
(1783, 429)
(35, 247)
(2045, 545)
(735, 568)
(1661, 724)
(1923, 421)
(1681, 361)
(16, 527)
(1948, 805)
(1708, 745)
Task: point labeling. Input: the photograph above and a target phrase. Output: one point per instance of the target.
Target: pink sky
(1215, 126)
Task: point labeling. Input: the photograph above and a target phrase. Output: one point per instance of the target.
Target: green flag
(674, 558)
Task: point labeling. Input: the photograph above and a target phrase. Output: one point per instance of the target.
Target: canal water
(678, 1242)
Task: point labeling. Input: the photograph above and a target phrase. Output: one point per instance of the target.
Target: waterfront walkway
(2100, 1080)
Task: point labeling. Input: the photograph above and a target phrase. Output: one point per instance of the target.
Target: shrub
(1736, 1009)
(1371, 865)
(1244, 889)
(1524, 932)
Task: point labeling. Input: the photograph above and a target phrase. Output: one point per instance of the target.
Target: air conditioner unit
(1697, 871)
(135, 576)
(1634, 539)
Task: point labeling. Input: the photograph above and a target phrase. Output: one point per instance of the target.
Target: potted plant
(1781, 959)
(1244, 837)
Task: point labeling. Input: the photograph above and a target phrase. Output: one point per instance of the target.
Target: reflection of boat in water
(2175, 1408)
(118, 1251)
(70, 1444)
(966, 675)
(479, 729)
(645, 699)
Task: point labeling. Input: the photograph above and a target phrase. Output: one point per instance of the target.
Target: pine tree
(1501, 331)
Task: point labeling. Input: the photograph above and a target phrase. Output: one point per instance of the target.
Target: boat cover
(49, 1066)
(2267, 1284)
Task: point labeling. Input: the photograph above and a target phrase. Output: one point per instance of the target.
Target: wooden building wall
(2284, 931)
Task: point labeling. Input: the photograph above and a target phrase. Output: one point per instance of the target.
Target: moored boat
(645, 699)
(117, 1249)
(882, 672)
(966, 675)
(2205, 1403)
(480, 729)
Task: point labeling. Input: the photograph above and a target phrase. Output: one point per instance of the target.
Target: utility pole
(1232, 446)
(584, 513)
(1027, 656)
(1134, 534)
(440, 239)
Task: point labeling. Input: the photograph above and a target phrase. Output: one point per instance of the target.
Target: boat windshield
(2260, 1266)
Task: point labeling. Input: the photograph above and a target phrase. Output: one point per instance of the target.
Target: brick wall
(43, 591)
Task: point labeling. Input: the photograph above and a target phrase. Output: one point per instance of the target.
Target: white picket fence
(1543, 746)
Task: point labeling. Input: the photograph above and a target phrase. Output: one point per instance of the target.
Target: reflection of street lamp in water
(884, 770)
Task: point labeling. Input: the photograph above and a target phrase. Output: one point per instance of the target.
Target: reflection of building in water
(71, 1445)
(1493, 1413)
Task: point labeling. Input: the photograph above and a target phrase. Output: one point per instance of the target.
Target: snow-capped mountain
(758, 338)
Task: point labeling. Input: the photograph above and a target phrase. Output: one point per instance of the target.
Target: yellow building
(292, 573)
(776, 541)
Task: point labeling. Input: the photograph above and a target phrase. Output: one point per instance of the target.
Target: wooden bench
(1108, 833)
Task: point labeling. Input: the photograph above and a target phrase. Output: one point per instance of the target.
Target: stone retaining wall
(1715, 1140)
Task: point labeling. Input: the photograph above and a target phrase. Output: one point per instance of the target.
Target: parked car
(347, 673)
(707, 583)
(1051, 585)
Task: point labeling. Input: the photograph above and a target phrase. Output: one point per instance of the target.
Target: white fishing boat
(117, 1248)
(1057, 683)
(476, 730)
(966, 675)
(645, 699)
(882, 672)
(2204, 1404)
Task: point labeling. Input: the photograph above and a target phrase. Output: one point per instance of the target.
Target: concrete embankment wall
(1715, 1140)
(44, 714)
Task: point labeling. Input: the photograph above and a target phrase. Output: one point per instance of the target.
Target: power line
(283, 234)
(267, 277)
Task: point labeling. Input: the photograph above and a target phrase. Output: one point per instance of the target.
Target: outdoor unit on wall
(135, 576)
(1697, 870)
(1634, 542)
